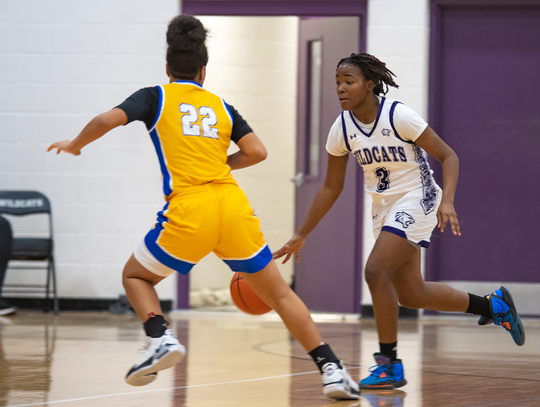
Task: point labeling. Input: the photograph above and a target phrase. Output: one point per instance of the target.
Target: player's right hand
(293, 246)
(64, 146)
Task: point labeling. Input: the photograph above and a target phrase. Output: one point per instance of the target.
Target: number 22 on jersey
(190, 116)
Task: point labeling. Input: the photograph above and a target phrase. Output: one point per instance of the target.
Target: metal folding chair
(29, 249)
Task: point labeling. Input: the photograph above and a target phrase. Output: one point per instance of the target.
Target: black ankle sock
(322, 355)
(155, 326)
(389, 349)
(478, 306)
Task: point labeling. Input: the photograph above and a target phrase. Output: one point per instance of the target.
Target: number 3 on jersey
(190, 117)
(384, 179)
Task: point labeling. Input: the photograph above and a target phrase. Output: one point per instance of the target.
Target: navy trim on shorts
(402, 234)
(253, 265)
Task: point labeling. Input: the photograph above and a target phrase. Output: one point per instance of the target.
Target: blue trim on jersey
(392, 122)
(402, 234)
(162, 164)
(150, 240)
(182, 81)
(374, 124)
(160, 107)
(252, 265)
(344, 129)
(228, 110)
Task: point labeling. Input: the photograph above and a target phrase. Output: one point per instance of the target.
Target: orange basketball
(245, 298)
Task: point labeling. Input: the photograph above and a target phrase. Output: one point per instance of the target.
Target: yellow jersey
(191, 134)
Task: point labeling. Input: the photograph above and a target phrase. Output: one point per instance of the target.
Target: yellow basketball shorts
(219, 219)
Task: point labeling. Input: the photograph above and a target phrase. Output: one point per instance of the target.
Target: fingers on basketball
(245, 298)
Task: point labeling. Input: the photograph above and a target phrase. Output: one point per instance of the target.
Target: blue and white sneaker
(503, 313)
(386, 374)
(159, 354)
(338, 383)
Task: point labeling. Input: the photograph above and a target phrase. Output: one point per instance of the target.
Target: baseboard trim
(71, 304)
(367, 312)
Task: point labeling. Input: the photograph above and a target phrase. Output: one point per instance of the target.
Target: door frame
(436, 44)
(302, 9)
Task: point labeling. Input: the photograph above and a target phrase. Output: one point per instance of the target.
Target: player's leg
(139, 285)
(390, 253)
(272, 288)
(163, 350)
(499, 307)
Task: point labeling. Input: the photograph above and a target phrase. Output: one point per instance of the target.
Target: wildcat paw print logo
(404, 218)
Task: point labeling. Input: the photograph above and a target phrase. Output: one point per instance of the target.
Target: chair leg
(47, 286)
(55, 294)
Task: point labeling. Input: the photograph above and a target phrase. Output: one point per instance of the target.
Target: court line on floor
(166, 389)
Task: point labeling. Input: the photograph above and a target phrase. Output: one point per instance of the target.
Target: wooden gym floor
(80, 359)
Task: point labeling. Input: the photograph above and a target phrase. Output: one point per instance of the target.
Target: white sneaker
(338, 384)
(159, 354)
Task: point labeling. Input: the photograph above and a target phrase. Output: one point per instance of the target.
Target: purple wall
(485, 59)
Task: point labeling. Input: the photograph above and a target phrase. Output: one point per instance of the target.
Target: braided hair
(372, 69)
(186, 51)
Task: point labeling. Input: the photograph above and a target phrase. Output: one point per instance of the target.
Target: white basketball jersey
(393, 164)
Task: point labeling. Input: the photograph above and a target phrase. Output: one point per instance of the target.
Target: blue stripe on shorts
(252, 265)
(402, 234)
(150, 240)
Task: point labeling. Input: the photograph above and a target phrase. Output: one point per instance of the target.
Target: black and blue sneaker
(503, 313)
(386, 374)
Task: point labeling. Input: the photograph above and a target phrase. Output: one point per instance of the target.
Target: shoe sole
(510, 301)
(145, 376)
(337, 392)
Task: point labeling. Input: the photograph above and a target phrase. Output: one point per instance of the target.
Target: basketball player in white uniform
(390, 142)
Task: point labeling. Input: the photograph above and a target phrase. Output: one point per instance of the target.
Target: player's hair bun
(186, 33)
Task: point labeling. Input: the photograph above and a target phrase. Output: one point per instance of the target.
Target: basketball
(245, 298)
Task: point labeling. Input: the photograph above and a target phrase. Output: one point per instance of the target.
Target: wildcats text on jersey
(366, 156)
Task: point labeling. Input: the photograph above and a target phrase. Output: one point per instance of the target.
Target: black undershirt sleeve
(142, 105)
(240, 126)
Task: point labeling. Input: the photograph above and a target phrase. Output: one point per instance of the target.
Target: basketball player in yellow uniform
(205, 209)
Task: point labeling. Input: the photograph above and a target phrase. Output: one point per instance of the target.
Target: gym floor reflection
(80, 359)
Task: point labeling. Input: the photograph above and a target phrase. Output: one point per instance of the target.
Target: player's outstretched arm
(432, 144)
(252, 151)
(96, 128)
(324, 200)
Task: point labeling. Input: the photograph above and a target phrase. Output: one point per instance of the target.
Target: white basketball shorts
(413, 216)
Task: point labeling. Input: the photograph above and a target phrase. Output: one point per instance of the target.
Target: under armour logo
(352, 136)
(319, 359)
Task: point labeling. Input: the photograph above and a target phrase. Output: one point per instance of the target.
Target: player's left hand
(445, 214)
(293, 246)
(64, 146)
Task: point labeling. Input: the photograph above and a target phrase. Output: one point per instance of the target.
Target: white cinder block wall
(398, 34)
(61, 63)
